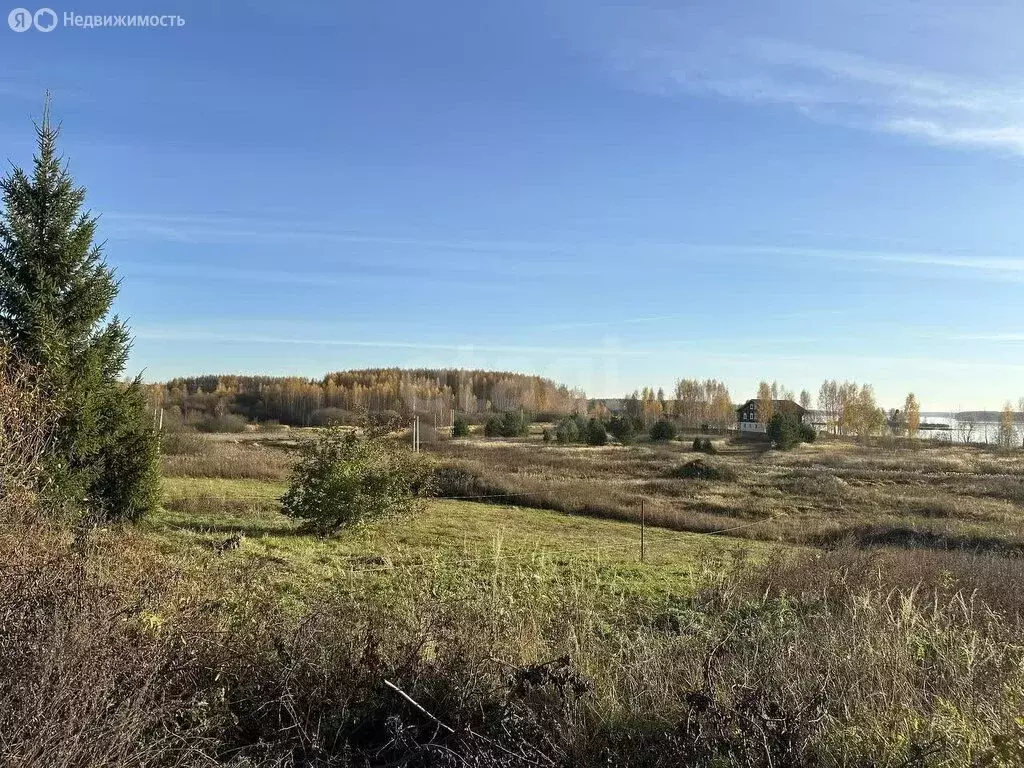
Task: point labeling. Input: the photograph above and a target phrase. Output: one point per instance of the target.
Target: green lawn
(452, 544)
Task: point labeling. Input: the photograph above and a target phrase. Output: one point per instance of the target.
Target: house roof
(778, 405)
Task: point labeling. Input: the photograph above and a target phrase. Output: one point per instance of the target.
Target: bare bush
(26, 420)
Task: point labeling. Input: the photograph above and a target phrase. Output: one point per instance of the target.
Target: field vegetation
(868, 618)
(887, 491)
(596, 590)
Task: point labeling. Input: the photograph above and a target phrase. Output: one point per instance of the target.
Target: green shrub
(458, 480)
(704, 445)
(699, 469)
(509, 424)
(663, 430)
(567, 430)
(622, 429)
(785, 431)
(342, 480)
(546, 435)
(596, 433)
(129, 485)
(460, 428)
(808, 434)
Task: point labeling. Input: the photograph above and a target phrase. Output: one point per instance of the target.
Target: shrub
(129, 485)
(699, 469)
(382, 423)
(26, 420)
(808, 434)
(596, 433)
(460, 428)
(454, 480)
(663, 430)
(509, 424)
(704, 445)
(342, 480)
(784, 431)
(567, 430)
(179, 440)
(547, 436)
(622, 429)
(225, 422)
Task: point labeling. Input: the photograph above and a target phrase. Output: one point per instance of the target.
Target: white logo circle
(20, 20)
(45, 19)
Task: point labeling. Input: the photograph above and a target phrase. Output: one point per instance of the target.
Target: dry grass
(939, 497)
(143, 646)
(130, 658)
(208, 457)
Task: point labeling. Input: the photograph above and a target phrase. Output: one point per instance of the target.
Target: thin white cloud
(829, 85)
(1009, 338)
(231, 338)
(503, 256)
(824, 361)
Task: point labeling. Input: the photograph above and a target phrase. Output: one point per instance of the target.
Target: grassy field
(471, 537)
(898, 493)
(856, 606)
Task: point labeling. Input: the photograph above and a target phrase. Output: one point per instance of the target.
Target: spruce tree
(56, 293)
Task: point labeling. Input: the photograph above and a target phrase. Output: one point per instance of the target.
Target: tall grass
(833, 660)
(237, 461)
(942, 498)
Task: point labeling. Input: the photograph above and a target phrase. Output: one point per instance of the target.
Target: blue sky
(614, 195)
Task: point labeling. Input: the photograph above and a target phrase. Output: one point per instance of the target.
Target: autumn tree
(864, 416)
(1007, 435)
(723, 413)
(848, 404)
(687, 404)
(765, 402)
(912, 415)
(805, 400)
(828, 404)
(699, 403)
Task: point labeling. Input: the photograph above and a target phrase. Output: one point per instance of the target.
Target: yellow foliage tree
(765, 402)
(1007, 436)
(912, 415)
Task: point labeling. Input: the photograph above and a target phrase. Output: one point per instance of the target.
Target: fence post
(643, 526)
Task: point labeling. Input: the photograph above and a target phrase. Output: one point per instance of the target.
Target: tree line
(342, 395)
